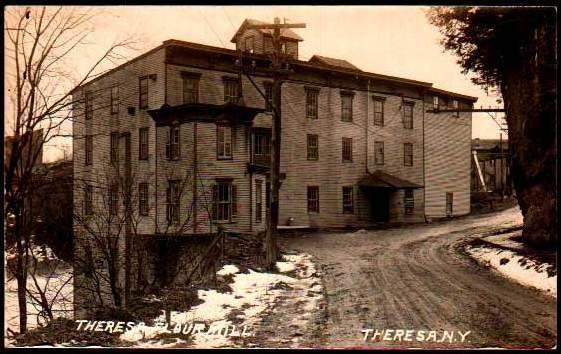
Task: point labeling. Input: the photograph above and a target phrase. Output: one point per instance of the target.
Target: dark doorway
(379, 205)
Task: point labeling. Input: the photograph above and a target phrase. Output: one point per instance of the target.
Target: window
(408, 202)
(114, 148)
(249, 43)
(346, 107)
(224, 142)
(435, 104)
(449, 203)
(172, 202)
(143, 198)
(143, 93)
(408, 115)
(88, 200)
(313, 147)
(190, 87)
(379, 152)
(347, 149)
(89, 149)
(407, 154)
(224, 201)
(268, 96)
(113, 200)
(455, 106)
(313, 199)
(378, 111)
(231, 90)
(88, 98)
(172, 143)
(348, 206)
(114, 99)
(312, 95)
(258, 200)
(262, 144)
(143, 143)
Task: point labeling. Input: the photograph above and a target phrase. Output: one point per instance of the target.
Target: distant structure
(493, 166)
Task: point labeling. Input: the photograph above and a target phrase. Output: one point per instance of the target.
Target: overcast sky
(391, 40)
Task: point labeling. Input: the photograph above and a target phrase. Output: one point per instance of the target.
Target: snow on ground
(252, 293)
(51, 275)
(505, 240)
(518, 268)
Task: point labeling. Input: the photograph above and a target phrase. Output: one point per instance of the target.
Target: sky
(390, 40)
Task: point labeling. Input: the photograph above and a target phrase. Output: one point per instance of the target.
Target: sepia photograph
(272, 177)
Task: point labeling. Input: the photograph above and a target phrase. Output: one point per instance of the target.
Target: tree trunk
(529, 92)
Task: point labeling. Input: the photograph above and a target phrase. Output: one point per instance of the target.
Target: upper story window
(143, 92)
(408, 202)
(408, 115)
(268, 96)
(456, 106)
(173, 197)
(249, 44)
(224, 142)
(89, 149)
(378, 111)
(143, 143)
(114, 148)
(172, 143)
(408, 154)
(313, 147)
(115, 99)
(231, 90)
(190, 87)
(347, 106)
(88, 101)
(347, 149)
(312, 95)
(143, 198)
(313, 199)
(379, 152)
(348, 202)
(435, 103)
(113, 199)
(262, 144)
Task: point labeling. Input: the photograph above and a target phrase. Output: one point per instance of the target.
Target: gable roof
(340, 63)
(285, 33)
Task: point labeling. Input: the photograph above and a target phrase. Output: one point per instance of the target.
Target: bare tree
(39, 86)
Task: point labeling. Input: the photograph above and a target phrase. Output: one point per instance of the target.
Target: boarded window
(113, 200)
(231, 90)
(224, 201)
(143, 143)
(143, 92)
(449, 203)
(143, 198)
(312, 103)
(258, 200)
(89, 149)
(268, 96)
(408, 202)
(88, 98)
(114, 100)
(114, 147)
(190, 88)
(313, 199)
(88, 200)
(408, 154)
(346, 107)
(313, 147)
(378, 111)
(347, 149)
(172, 201)
(379, 152)
(172, 143)
(224, 142)
(408, 115)
(348, 200)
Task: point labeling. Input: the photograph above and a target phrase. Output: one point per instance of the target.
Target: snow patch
(511, 265)
(228, 269)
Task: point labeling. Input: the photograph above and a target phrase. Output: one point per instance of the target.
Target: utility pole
(273, 217)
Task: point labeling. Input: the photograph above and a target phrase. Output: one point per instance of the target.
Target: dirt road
(417, 278)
